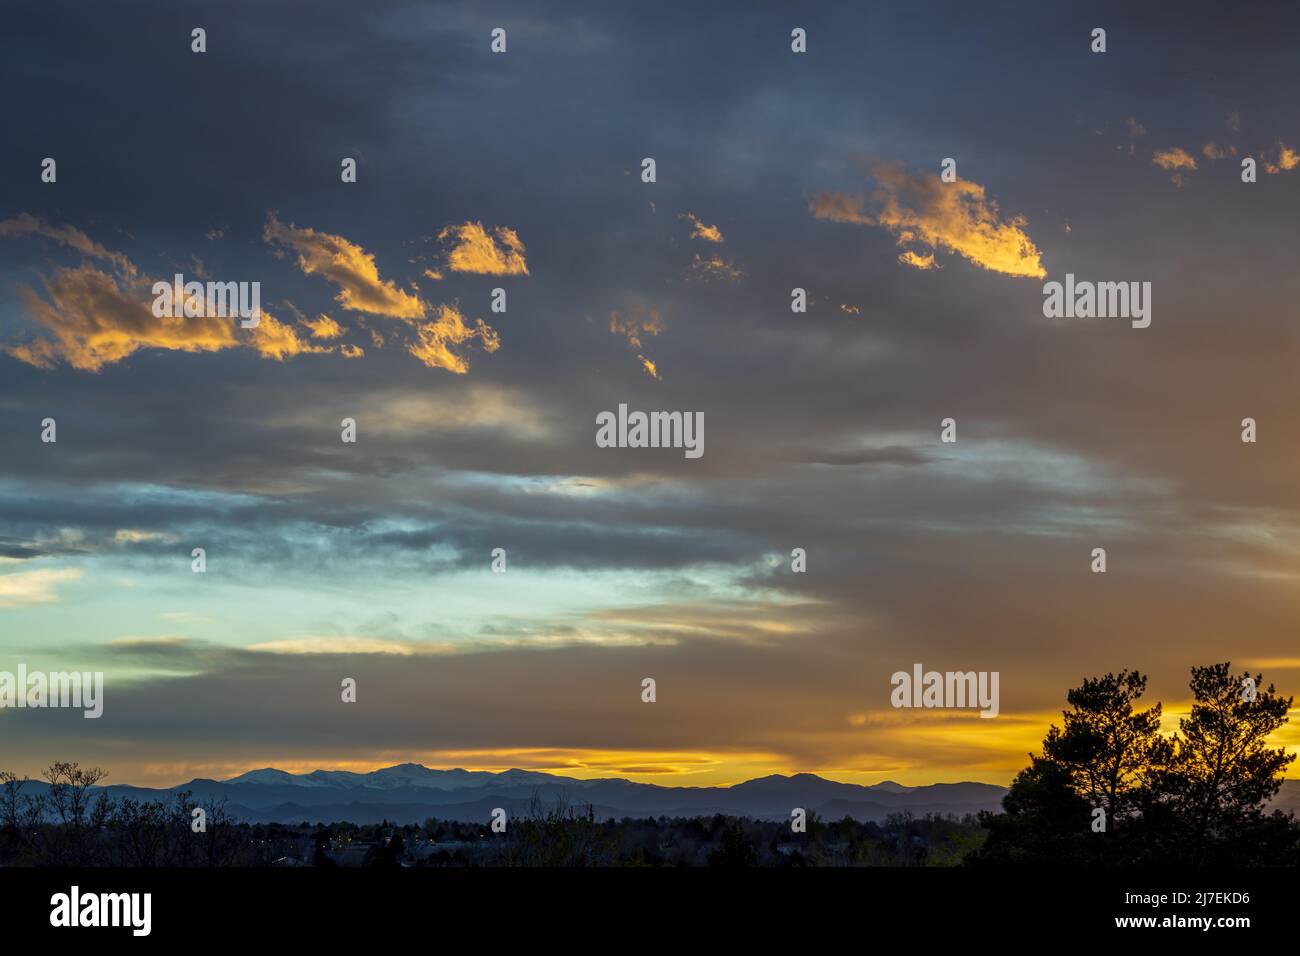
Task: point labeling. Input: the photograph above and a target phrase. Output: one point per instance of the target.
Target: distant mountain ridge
(412, 793)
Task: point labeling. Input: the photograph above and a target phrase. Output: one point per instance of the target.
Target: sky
(523, 171)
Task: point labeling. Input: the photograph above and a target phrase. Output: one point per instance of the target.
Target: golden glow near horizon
(991, 752)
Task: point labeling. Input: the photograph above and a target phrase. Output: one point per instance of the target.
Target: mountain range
(411, 793)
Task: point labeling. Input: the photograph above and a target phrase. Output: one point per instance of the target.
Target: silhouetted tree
(1197, 798)
(1045, 821)
(1208, 799)
(69, 798)
(1107, 746)
(735, 849)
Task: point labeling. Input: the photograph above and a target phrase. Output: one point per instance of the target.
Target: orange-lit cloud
(1287, 158)
(1175, 161)
(1175, 158)
(349, 267)
(715, 267)
(448, 328)
(354, 270)
(91, 321)
(323, 327)
(910, 258)
(924, 211)
(631, 328)
(1214, 151)
(701, 231)
(277, 340)
(26, 225)
(477, 251)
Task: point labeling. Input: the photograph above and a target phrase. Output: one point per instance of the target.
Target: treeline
(1110, 789)
(564, 836)
(68, 826)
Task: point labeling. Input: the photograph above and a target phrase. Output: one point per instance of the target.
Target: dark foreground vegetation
(100, 832)
(1108, 789)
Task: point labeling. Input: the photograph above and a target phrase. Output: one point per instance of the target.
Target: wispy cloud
(714, 267)
(449, 327)
(27, 225)
(1213, 151)
(631, 328)
(23, 588)
(923, 211)
(348, 266)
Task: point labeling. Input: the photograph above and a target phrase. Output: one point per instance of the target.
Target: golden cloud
(25, 224)
(1174, 160)
(345, 645)
(1214, 151)
(1287, 158)
(349, 267)
(925, 211)
(450, 328)
(700, 231)
(917, 261)
(92, 319)
(631, 329)
(715, 267)
(323, 327)
(478, 252)
(276, 340)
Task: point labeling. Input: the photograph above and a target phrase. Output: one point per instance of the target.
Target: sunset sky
(522, 171)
